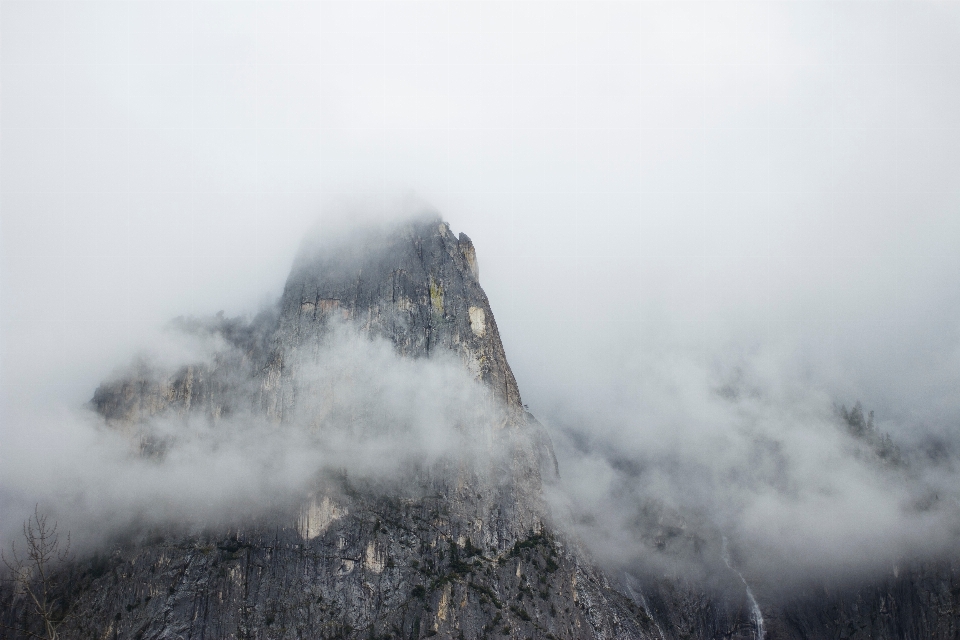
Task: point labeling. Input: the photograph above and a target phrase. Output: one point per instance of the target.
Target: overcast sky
(720, 175)
(667, 199)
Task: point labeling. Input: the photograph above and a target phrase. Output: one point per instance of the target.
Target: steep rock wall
(467, 552)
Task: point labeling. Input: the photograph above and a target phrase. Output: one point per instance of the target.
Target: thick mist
(703, 228)
(366, 415)
(683, 454)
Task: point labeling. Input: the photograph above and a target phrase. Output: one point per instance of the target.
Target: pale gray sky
(662, 195)
(720, 169)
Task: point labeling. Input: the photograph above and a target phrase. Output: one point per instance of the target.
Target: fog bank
(367, 416)
(702, 227)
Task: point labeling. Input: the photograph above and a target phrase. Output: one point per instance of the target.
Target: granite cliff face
(416, 285)
(461, 546)
(461, 549)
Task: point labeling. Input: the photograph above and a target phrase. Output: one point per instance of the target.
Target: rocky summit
(456, 545)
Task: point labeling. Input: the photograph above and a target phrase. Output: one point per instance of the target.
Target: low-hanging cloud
(365, 413)
(666, 466)
(663, 462)
(702, 227)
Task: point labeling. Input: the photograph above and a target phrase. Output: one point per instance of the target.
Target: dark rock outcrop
(415, 285)
(470, 551)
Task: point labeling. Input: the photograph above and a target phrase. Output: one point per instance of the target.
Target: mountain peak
(414, 283)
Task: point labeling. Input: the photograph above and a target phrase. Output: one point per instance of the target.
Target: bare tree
(34, 573)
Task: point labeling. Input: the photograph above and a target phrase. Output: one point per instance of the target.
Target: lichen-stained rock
(414, 283)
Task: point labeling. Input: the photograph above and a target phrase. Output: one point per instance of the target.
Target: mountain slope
(404, 531)
(457, 547)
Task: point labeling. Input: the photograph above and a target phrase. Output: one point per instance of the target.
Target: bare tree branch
(34, 574)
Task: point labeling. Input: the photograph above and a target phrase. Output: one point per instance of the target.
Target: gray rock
(467, 552)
